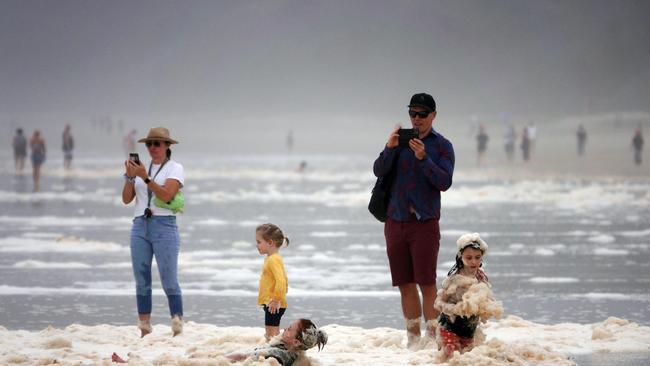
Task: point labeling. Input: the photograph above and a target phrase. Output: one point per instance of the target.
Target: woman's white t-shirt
(171, 170)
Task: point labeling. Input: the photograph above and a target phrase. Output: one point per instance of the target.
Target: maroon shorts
(412, 248)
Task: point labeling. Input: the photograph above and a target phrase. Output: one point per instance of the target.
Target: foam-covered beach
(511, 341)
(567, 260)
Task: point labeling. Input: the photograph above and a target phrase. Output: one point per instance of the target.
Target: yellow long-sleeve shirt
(273, 282)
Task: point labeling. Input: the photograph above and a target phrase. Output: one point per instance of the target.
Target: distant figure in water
(67, 147)
(19, 143)
(525, 145)
(532, 137)
(581, 135)
(457, 325)
(481, 144)
(637, 145)
(509, 139)
(302, 166)
(301, 335)
(37, 146)
(290, 141)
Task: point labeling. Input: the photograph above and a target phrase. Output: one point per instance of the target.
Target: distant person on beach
(19, 143)
(290, 141)
(481, 144)
(67, 147)
(459, 319)
(637, 146)
(525, 145)
(154, 231)
(37, 146)
(301, 335)
(509, 140)
(581, 136)
(128, 143)
(532, 137)
(302, 166)
(424, 169)
(273, 286)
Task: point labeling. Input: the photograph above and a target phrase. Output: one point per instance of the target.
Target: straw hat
(158, 134)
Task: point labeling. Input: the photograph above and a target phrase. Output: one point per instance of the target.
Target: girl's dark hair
(459, 262)
(273, 233)
(309, 335)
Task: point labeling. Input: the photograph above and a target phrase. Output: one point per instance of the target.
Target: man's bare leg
(412, 310)
(430, 313)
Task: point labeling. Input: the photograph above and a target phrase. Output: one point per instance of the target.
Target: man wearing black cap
(424, 169)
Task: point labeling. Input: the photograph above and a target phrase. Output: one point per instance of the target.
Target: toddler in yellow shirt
(273, 281)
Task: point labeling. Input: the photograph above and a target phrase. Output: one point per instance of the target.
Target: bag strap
(149, 192)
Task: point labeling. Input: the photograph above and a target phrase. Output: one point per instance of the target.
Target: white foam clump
(512, 341)
(466, 296)
(612, 335)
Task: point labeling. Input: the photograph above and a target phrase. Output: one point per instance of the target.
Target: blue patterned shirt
(416, 189)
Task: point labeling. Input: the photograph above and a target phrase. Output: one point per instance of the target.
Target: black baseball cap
(423, 100)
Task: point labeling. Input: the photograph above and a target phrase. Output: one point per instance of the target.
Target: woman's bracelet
(129, 179)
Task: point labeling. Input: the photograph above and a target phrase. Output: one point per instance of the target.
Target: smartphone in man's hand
(134, 157)
(406, 134)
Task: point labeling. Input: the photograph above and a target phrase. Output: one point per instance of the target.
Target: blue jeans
(156, 236)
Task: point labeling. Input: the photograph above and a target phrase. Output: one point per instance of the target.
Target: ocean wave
(557, 280)
(62, 245)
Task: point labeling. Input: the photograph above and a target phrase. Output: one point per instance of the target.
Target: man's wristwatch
(147, 180)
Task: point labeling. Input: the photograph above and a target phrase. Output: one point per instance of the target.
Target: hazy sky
(312, 64)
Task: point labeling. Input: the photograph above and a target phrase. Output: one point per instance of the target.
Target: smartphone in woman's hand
(134, 157)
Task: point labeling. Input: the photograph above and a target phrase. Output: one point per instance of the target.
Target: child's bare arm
(236, 356)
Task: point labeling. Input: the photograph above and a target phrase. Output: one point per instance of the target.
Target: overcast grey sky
(313, 65)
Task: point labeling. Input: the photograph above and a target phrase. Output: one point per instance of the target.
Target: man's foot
(431, 326)
(412, 341)
(145, 327)
(177, 325)
(413, 333)
(117, 359)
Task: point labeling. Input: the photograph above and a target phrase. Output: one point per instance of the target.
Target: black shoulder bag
(380, 196)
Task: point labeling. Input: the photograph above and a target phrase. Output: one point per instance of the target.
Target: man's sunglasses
(422, 114)
(154, 143)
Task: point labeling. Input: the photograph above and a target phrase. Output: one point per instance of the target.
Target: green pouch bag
(177, 204)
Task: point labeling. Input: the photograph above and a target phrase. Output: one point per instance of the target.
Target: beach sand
(510, 341)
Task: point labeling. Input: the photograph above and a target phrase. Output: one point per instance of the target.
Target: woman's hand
(130, 168)
(135, 170)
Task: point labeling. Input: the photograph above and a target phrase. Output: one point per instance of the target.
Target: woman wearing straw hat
(154, 231)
